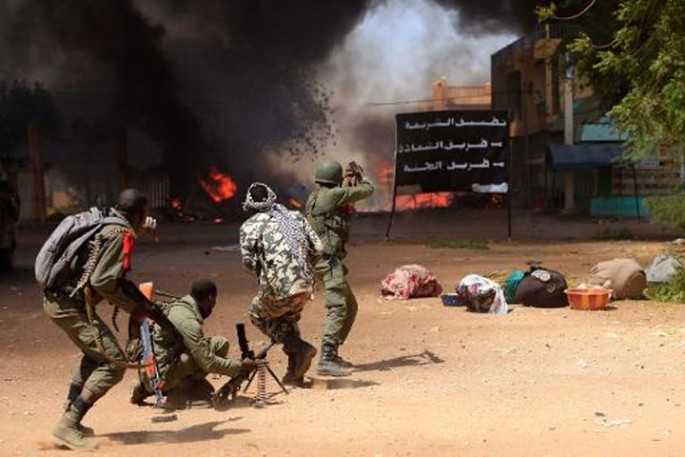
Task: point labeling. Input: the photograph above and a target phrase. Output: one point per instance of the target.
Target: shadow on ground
(201, 432)
(411, 360)
(339, 383)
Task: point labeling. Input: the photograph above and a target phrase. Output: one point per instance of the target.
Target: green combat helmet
(329, 172)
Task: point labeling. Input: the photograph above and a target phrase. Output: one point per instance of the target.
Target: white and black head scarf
(291, 229)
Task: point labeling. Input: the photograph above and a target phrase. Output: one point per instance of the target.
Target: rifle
(148, 359)
(231, 388)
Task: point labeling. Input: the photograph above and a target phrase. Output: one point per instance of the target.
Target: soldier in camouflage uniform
(186, 356)
(329, 210)
(280, 247)
(103, 363)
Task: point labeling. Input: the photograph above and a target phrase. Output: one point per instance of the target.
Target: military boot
(67, 432)
(289, 377)
(328, 365)
(138, 394)
(342, 362)
(72, 395)
(300, 356)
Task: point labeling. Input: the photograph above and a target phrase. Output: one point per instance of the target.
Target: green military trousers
(185, 367)
(341, 304)
(97, 371)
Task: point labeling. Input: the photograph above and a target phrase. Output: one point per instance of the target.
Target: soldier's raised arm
(348, 195)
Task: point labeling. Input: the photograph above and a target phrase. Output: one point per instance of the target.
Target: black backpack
(54, 259)
(543, 288)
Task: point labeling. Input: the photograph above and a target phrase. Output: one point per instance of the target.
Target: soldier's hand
(150, 224)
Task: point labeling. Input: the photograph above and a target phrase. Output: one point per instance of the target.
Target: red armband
(129, 245)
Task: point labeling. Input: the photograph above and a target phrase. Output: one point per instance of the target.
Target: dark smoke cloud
(249, 69)
(111, 51)
(480, 17)
(211, 81)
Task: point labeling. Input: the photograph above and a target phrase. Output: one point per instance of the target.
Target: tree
(639, 72)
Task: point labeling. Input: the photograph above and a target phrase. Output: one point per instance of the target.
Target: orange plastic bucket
(588, 299)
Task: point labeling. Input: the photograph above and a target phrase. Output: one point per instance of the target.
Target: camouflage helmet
(329, 172)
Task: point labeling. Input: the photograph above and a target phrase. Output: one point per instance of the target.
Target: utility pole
(39, 200)
(569, 178)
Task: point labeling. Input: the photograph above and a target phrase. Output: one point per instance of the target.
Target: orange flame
(176, 204)
(219, 186)
(427, 200)
(385, 174)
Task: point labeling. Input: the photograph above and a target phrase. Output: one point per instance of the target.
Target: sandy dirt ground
(430, 380)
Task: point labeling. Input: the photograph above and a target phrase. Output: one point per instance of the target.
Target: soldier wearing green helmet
(329, 209)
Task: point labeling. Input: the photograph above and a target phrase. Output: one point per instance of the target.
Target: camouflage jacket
(185, 316)
(329, 214)
(265, 252)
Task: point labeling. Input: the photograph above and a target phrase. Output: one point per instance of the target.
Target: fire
(176, 204)
(427, 200)
(219, 186)
(295, 203)
(386, 174)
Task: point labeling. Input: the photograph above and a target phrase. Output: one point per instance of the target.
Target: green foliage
(673, 292)
(614, 234)
(21, 105)
(668, 210)
(459, 244)
(641, 73)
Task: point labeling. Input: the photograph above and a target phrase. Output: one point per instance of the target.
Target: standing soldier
(329, 211)
(80, 276)
(280, 247)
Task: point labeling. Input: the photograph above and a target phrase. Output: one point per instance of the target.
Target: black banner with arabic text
(449, 151)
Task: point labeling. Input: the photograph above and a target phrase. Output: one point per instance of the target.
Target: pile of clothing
(481, 295)
(410, 281)
(539, 286)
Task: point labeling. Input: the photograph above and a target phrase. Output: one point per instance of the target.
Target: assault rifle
(148, 359)
(230, 389)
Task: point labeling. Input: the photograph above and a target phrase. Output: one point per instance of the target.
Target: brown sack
(625, 277)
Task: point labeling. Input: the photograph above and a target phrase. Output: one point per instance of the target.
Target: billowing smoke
(109, 50)
(234, 83)
(485, 17)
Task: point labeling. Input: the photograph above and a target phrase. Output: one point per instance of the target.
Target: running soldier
(280, 247)
(97, 271)
(329, 211)
(186, 356)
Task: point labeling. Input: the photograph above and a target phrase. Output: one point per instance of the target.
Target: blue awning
(566, 157)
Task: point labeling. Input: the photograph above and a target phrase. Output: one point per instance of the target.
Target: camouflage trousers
(96, 372)
(184, 366)
(341, 304)
(277, 319)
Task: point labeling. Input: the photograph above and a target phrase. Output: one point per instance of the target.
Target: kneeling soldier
(185, 355)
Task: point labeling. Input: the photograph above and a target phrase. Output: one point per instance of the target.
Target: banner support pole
(509, 186)
(394, 186)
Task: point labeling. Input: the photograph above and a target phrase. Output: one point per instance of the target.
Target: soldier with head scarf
(280, 247)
